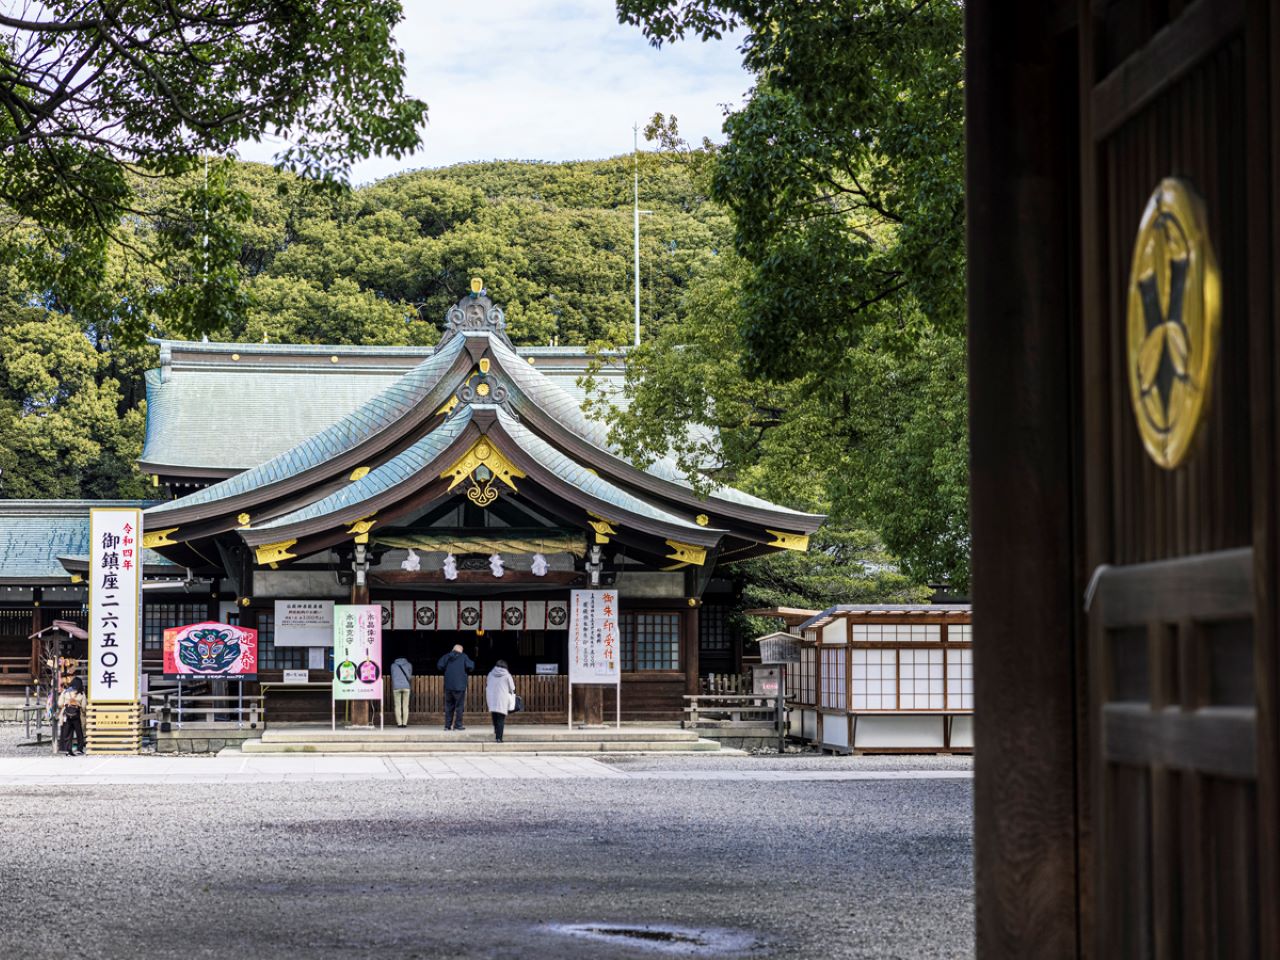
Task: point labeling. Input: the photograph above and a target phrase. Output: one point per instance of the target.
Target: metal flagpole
(635, 163)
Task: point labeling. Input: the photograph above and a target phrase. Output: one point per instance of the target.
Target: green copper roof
(35, 533)
(557, 464)
(394, 402)
(394, 472)
(538, 391)
(206, 411)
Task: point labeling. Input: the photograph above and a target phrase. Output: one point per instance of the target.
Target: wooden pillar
(689, 646)
(1022, 148)
(588, 705)
(360, 708)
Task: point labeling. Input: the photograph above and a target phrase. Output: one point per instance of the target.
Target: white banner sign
(594, 655)
(304, 623)
(115, 601)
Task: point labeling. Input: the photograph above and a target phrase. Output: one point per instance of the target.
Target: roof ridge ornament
(475, 312)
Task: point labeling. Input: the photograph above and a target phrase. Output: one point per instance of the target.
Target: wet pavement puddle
(678, 941)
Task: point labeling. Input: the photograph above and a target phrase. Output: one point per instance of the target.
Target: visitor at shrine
(456, 665)
(501, 694)
(71, 704)
(401, 683)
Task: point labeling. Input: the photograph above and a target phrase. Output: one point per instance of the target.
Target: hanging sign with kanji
(593, 637)
(115, 602)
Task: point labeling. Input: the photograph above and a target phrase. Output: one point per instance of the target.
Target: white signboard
(295, 676)
(594, 649)
(304, 623)
(547, 669)
(115, 600)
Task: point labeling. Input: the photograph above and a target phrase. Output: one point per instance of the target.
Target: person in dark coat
(456, 665)
(71, 706)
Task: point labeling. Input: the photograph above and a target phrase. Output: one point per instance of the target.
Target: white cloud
(530, 80)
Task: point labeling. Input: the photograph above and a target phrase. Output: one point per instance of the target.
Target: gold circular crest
(1173, 319)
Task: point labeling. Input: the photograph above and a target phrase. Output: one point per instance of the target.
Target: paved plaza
(495, 857)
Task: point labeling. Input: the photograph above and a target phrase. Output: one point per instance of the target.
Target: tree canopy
(95, 96)
(836, 341)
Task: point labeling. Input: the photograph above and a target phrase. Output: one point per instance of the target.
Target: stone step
(478, 734)
(323, 747)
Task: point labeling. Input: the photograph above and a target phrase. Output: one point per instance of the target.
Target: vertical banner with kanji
(115, 602)
(593, 637)
(357, 652)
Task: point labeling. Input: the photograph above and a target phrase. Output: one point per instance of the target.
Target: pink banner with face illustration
(217, 650)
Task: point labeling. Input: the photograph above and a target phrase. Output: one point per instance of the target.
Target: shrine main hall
(460, 486)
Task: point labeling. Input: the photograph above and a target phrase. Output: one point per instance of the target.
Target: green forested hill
(379, 264)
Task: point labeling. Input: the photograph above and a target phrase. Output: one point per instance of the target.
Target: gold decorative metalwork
(1174, 313)
(360, 529)
(359, 473)
(275, 552)
(158, 538)
(483, 464)
(789, 541)
(603, 528)
(484, 364)
(243, 519)
(244, 601)
(702, 519)
(76, 578)
(476, 285)
(448, 405)
(482, 390)
(687, 553)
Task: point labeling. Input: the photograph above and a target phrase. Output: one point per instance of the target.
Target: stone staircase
(519, 738)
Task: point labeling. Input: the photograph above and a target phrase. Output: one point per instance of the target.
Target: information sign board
(357, 652)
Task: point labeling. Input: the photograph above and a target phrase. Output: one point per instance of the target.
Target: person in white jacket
(501, 694)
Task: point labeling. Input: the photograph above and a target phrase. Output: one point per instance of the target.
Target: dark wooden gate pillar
(1021, 186)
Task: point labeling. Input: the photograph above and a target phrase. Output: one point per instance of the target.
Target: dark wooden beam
(1021, 182)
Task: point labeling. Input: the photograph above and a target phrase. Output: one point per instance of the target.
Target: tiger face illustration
(209, 650)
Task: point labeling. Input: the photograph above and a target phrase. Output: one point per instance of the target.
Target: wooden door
(1125, 622)
(1178, 609)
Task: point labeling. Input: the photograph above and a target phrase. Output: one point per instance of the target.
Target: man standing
(456, 665)
(401, 683)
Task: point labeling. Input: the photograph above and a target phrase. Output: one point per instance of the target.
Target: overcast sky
(546, 80)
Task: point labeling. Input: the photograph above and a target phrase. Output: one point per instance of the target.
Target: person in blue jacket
(456, 665)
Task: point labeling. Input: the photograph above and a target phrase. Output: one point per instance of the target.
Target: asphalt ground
(490, 868)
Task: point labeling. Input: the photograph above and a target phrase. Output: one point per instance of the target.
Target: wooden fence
(546, 699)
(726, 683)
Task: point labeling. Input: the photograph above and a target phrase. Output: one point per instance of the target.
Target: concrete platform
(521, 739)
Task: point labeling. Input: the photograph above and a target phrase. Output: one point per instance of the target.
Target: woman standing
(71, 706)
(501, 694)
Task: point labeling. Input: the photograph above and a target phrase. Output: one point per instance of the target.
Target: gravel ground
(473, 868)
(789, 761)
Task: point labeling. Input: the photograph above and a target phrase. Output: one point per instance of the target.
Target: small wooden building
(887, 678)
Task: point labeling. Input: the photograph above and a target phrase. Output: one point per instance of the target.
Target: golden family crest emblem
(1173, 318)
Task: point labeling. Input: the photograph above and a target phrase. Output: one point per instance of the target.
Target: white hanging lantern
(539, 565)
(450, 567)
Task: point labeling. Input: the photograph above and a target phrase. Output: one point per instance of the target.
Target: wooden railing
(15, 668)
(204, 709)
(726, 710)
(546, 699)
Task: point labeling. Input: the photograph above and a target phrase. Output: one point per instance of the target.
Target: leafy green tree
(94, 94)
(843, 174)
